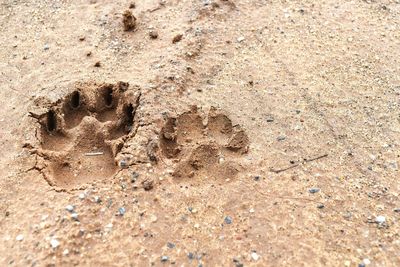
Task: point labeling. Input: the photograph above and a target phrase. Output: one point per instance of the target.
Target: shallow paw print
(209, 147)
(81, 134)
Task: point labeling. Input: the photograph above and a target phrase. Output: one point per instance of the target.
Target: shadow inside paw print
(211, 147)
(81, 134)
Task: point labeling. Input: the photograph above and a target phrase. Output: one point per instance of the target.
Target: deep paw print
(81, 134)
(209, 147)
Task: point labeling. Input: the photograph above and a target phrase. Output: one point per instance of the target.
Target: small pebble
(121, 211)
(153, 34)
(19, 238)
(54, 243)
(254, 256)
(74, 216)
(380, 219)
(97, 64)
(257, 178)
(313, 190)
(190, 256)
(123, 164)
(177, 38)
(320, 206)
(69, 208)
(97, 199)
(134, 177)
(170, 245)
(240, 39)
(81, 196)
(366, 261)
(228, 220)
(281, 138)
(65, 252)
(46, 47)
(148, 184)
(164, 258)
(396, 210)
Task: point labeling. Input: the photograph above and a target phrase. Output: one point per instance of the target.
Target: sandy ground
(252, 133)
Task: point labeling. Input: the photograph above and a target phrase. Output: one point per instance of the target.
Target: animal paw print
(81, 134)
(208, 148)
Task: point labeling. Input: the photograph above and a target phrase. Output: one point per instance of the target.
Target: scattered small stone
(281, 138)
(65, 252)
(132, 5)
(82, 196)
(190, 256)
(129, 20)
(380, 219)
(313, 190)
(255, 256)
(148, 184)
(153, 34)
(54, 243)
(320, 206)
(69, 208)
(123, 164)
(269, 118)
(19, 237)
(177, 38)
(97, 64)
(97, 199)
(366, 261)
(89, 53)
(170, 245)
(361, 264)
(109, 203)
(396, 210)
(134, 177)
(257, 178)
(164, 258)
(46, 47)
(240, 39)
(228, 220)
(121, 211)
(74, 216)
(82, 38)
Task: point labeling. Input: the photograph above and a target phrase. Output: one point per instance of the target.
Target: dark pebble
(170, 245)
(281, 138)
(313, 190)
(257, 178)
(153, 34)
(148, 184)
(228, 220)
(190, 256)
(134, 177)
(320, 206)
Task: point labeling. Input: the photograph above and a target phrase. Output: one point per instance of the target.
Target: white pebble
(380, 219)
(366, 261)
(54, 243)
(255, 256)
(240, 39)
(81, 195)
(69, 208)
(19, 237)
(65, 252)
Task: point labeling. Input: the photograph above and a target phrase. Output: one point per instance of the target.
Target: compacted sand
(199, 133)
